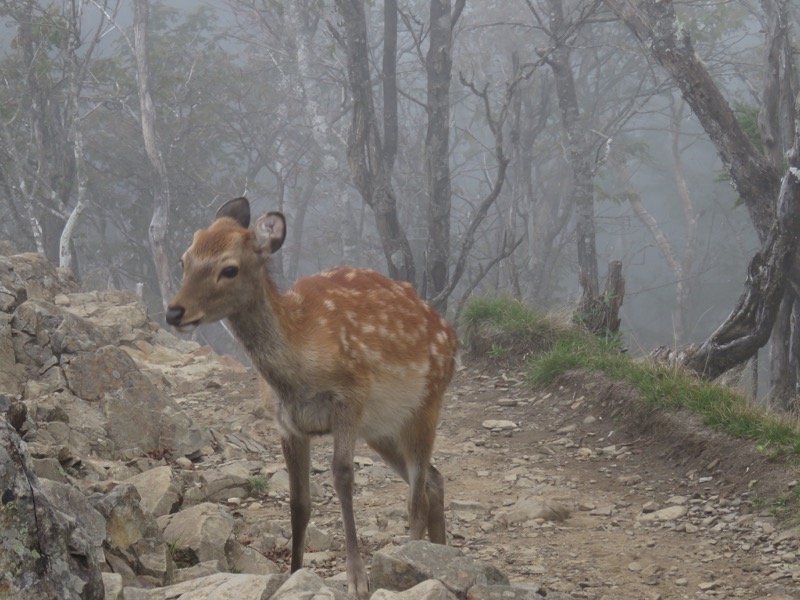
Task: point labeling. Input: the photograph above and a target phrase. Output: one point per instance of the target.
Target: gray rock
(204, 529)
(203, 569)
(535, 507)
(279, 482)
(499, 424)
(12, 374)
(137, 414)
(31, 276)
(112, 583)
(304, 584)
(159, 489)
(469, 506)
(228, 480)
(134, 536)
(46, 332)
(42, 553)
(505, 592)
(432, 589)
(244, 559)
(75, 506)
(220, 586)
(404, 567)
(670, 513)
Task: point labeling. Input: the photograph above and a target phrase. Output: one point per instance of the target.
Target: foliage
(259, 484)
(747, 115)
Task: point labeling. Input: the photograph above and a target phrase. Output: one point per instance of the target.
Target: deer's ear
(237, 209)
(270, 231)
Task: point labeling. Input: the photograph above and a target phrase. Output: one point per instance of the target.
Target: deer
(346, 352)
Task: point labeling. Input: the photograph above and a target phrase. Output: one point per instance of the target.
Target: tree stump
(600, 314)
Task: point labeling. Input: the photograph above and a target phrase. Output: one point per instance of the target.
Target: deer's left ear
(237, 209)
(270, 230)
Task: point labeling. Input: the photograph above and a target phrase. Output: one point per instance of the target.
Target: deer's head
(224, 268)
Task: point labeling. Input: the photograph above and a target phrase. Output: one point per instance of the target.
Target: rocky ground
(567, 488)
(162, 467)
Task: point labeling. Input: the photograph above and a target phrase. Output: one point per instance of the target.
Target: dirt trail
(649, 514)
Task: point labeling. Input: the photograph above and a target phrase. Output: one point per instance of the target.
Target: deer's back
(366, 336)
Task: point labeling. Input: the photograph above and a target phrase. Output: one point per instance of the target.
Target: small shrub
(259, 484)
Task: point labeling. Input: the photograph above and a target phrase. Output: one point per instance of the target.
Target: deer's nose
(174, 315)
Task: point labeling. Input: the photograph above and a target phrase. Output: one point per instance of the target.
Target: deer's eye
(229, 272)
(180, 264)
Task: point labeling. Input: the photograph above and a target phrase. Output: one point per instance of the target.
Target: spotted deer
(345, 352)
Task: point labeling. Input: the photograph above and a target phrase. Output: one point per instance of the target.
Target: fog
(257, 99)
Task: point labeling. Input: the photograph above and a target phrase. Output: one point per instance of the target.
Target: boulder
(402, 568)
(12, 374)
(219, 586)
(432, 589)
(44, 554)
(137, 414)
(306, 584)
(30, 276)
(134, 536)
(244, 559)
(76, 507)
(204, 529)
(535, 507)
(159, 489)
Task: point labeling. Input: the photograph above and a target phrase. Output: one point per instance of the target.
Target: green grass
(568, 348)
(259, 484)
(502, 327)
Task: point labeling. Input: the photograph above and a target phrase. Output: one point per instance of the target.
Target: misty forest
(546, 150)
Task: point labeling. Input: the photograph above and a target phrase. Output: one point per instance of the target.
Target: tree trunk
(775, 119)
(771, 201)
(365, 154)
(438, 65)
(600, 313)
(65, 246)
(578, 155)
(749, 326)
(782, 376)
(159, 224)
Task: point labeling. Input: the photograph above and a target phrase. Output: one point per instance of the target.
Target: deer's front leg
(297, 454)
(344, 438)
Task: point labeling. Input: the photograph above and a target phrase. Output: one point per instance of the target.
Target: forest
(528, 148)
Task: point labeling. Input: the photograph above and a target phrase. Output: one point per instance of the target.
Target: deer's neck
(265, 333)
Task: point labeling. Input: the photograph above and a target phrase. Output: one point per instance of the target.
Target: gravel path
(548, 486)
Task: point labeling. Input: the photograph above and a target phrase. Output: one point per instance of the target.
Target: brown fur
(347, 352)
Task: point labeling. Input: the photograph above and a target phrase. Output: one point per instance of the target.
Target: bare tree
(578, 149)
(77, 69)
(41, 137)
(772, 201)
(438, 65)
(159, 224)
(680, 265)
(370, 165)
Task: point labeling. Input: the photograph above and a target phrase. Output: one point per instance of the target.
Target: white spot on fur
(330, 304)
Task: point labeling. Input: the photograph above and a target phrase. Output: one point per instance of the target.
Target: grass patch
(564, 348)
(502, 328)
(259, 485)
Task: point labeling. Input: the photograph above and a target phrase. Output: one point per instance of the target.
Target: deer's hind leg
(434, 486)
(409, 455)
